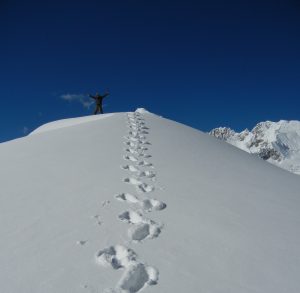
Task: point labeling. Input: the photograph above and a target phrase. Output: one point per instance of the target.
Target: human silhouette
(98, 100)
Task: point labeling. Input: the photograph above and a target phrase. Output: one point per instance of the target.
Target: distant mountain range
(275, 142)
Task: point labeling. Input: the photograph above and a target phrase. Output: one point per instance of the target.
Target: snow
(79, 214)
(68, 122)
(142, 111)
(276, 142)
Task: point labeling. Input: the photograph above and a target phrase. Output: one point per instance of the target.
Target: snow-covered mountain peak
(132, 203)
(76, 121)
(276, 142)
(222, 133)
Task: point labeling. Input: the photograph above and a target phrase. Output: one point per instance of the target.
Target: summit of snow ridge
(68, 122)
(142, 111)
(76, 121)
(136, 203)
(275, 142)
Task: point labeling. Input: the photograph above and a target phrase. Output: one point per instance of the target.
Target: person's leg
(96, 110)
(101, 109)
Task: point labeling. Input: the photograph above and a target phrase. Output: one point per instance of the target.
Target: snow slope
(68, 122)
(275, 142)
(133, 202)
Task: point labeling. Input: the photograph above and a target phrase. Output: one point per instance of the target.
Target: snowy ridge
(139, 203)
(68, 122)
(275, 142)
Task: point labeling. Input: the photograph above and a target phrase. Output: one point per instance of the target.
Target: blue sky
(202, 63)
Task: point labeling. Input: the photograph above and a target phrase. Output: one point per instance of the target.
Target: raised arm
(106, 94)
(91, 96)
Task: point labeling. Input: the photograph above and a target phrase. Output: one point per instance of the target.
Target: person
(98, 100)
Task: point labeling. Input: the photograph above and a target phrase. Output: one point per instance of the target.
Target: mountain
(275, 142)
(132, 202)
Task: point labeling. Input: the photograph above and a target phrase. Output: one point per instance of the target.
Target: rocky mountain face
(275, 142)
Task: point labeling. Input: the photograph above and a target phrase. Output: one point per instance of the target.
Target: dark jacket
(99, 98)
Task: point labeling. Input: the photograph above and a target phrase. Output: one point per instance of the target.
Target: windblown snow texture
(132, 202)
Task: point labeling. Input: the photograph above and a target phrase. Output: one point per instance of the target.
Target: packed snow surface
(276, 142)
(68, 122)
(132, 202)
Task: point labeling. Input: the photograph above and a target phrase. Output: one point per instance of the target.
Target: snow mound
(275, 142)
(69, 122)
(137, 203)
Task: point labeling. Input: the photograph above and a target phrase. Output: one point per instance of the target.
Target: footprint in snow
(129, 143)
(134, 139)
(131, 151)
(141, 228)
(117, 257)
(144, 155)
(147, 174)
(136, 127)
(141, 131)
(127, 197)
(141, 186)
(133, 122)
(153, 204)
(130, 168)
(136, 122)
(145, 164)
(140, 148)
(148, 205)
(134, 133)
(130, 158)
(137, 153)
(136, 276)
(144, 187)
(131, 217)
(134, 142)
(145, 142)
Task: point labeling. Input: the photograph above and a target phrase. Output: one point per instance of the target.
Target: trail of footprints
(141, 176)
